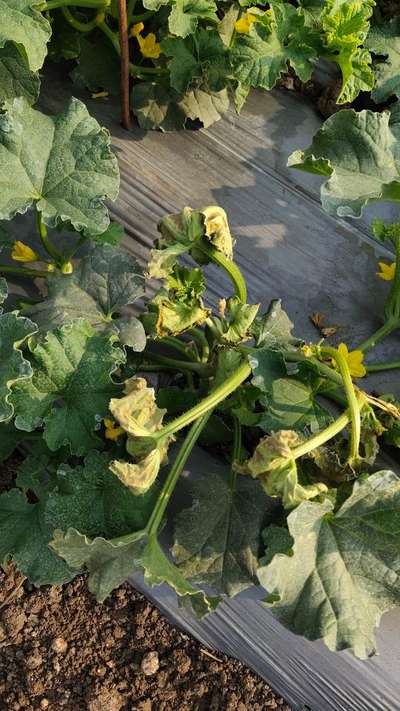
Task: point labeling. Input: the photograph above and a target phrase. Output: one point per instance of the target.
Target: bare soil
(60, 649)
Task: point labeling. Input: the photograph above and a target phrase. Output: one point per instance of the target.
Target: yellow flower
(386, 271)
(149, 47)
(354, 361)
(22, 253)
(243, 25)
(51, 267)
(137, 29)
(112, 432)
(308, 351)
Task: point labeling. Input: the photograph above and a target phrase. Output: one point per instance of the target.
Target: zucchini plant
(186, 60)
(108, 403)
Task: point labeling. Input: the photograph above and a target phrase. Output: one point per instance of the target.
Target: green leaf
(267, 366)
(70, 388)
(27, 27)
(185, 16)
(100, 287)
(216, 541)
(155, 5)
(65, 42)
(14, 368)
(16, 79)
(291, 405)
(157, 106)
(205, 106)
(260, 57)
(276, 540)
(3, 292)
(384, 40)
(110, 563)
(10, 438)
(359, 154)
(98, 66)
(345, 569)
(91, 498)
(274, 328)
(236, 324)
(62, 163)
(24, 537)
(200, 59)
(114, 235)
(346, 25)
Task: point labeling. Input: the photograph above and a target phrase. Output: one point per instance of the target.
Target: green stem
(229, 266)
(198, 368)
(376, 367)
(388, 327)
(42, 229)
(208, 403)
(77, 24)
(321, 437)
(354, 408)
(23, 271)
(201, 340)
(53, 4)
(143, 16)
(174, 474)
(131, 9)
(177, 345)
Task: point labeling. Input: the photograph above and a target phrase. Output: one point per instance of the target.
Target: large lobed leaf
(344, 569)
(110, 562)
(216, 541)
(23, 24)
(16, 79)
(62, 163)
(358, 154)
(14, 368)
(100, 287)
(71, 386)
(384, 40)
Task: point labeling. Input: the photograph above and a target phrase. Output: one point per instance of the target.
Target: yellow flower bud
(67, 268)
(22, 253)
(51, 267)
(137, 29)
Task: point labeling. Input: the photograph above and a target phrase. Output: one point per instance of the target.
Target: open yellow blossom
(137, 29)
(243, 25)
(387, 271)
(308, 350)
(22, 253)
(354, 361)
(112, 431)
(149, 47)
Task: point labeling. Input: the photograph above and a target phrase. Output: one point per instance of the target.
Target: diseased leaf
(358, 154)
(16, 79)
(384, 40)
(100, 287)
(61, 163)
(216, 541)
(274, 328)
(261, 56)
(184, 17)
(157, 106)
(14, 368)
(235, 325)
(71, 386)
(27, 27)
(24, 537)
(110, 563)
(345, 569)
(91, 497)
(205, 106)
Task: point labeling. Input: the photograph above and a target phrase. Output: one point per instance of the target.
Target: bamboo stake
(124, 46)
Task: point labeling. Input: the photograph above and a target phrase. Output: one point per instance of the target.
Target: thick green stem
(209, 403)
(352, 400)
(175, 472)
(228, 265)
(22, 271)
(198, 368)
(42, 229)
(385, 330)
(177, 345)
(321, 437)
(53, 4)
(376, 367)
(201, 340)
(77, 24)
